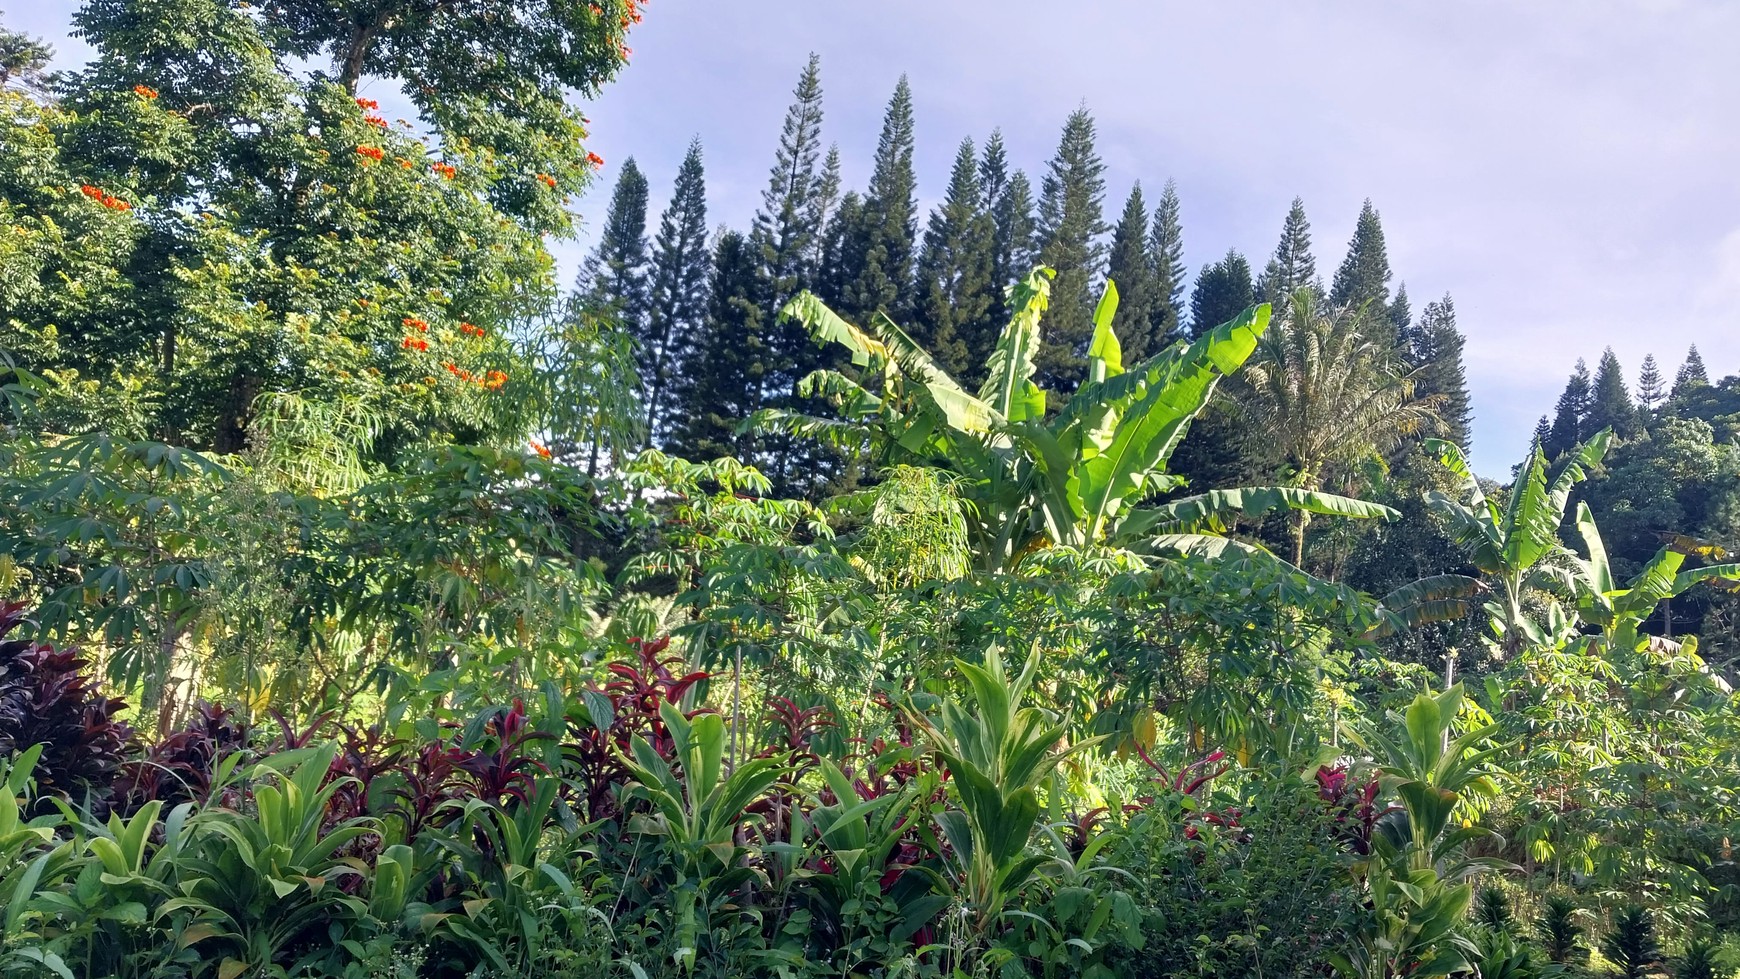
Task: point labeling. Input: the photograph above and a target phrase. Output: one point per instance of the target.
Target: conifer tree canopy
(1071, 229)
(1222, 290)
(1008, 196)
(1439, 374)
(1691, 373)
(955, 290)
(1132, 267)
(888, 222)
(615, 275)
(1610, 404)
(1364, 275)
(1170, 274)
(677, 291)
(1292, 267)
(1570, 413)
(1651, 386)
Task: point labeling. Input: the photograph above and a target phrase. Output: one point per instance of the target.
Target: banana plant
(1072, 477)
(1516, 544)
(696, 809)
(998, 754)
(1620, 611)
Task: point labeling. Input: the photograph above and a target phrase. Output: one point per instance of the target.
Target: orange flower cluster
(112, 203)
(404, 164)
(447, 170)
(375, 121)
(626, 51)
(370, 153)
(367, 104)
(145, 91)
(493, 380)
(471, 330)
(542, 450)
(415, 343)
(413, 323)
(547, 180)
(594, 159)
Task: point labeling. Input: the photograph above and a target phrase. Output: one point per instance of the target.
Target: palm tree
(1324, 394)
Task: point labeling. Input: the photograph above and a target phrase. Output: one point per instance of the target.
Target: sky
(1566, 171)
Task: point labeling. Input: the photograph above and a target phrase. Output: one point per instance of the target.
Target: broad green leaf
(1205, 511)
(1009, 389)
(1105, 354)
(1179, 383)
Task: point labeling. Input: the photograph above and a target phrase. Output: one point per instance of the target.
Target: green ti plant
(255, 886)
(1419, 873)
(31, 861)
(999, 755)
(695, 810)
(520, 864)
(1033, 478)
(863, 901)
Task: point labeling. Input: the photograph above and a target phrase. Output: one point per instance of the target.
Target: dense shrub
(47, 698)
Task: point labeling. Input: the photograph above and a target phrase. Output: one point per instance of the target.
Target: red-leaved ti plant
(796, 729)
(1354, 805)
(626, 706)
(181, 767)
(1190, 780)
(46, 698)
(504, 767)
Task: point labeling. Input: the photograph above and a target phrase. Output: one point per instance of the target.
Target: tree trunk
(362, 37)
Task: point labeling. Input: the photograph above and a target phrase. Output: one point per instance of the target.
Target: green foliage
(232, 471)
(1000, 754)
(1512, 542)
(1557, 928)
(1631, 945)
